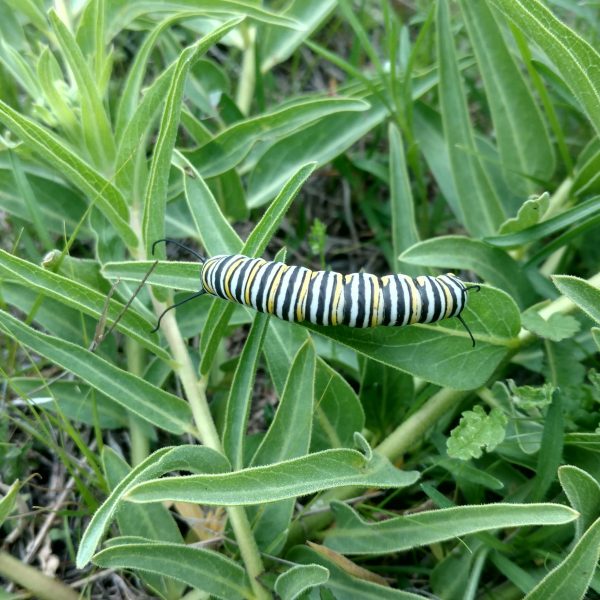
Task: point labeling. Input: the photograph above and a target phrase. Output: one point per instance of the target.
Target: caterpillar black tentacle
(329, 298)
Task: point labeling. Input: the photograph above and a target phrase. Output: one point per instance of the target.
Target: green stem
(139, 441)
(29, 578)
(245, 91)
(195, 392)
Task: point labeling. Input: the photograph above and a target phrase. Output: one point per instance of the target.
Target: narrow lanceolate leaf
(581, 292)
(278, 44)
(80, 297)
(523, 141)
(154, 521)
(129, 100)
(571, 578)
(481, 210)
(583, 213)
(288, 479)
(190, 458)
(215, 232)
(452, 362)
(205, 570)
(95, 124)
(352, 535)
(100, 191)
(321, 142)
(7, 503)
(342, 583)
(404, 227)
(294, 581)
(338, 412)
(169, 275)
(158, 178)
(265, 229)
(240, 394)
(125, 13)
(294, 412)
(156, 406)
(459, 252)
(583, 492)
(577, 61)
(226, 150)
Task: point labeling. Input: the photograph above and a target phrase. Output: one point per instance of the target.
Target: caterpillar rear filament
(328, 298)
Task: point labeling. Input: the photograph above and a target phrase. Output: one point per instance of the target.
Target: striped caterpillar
(328, 298)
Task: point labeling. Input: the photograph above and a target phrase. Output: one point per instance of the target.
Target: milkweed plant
(234, 454)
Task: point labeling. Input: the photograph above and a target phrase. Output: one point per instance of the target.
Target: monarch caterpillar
(329, 298)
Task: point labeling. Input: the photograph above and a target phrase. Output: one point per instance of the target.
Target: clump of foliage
(395, 137)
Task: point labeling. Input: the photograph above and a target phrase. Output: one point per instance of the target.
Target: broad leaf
(352, 535)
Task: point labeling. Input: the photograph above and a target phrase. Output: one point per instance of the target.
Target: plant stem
(139, 441)
(30, 578)
(245, 91)
(195, 392)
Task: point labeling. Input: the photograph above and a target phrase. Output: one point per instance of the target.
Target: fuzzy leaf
(476, 430)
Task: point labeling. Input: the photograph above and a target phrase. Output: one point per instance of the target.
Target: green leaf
(458, 252)
(585, 295)
(404, 228)
(583, 492)
(556, 327)
(82, 298)
(352, 535)
(59, 206)
(577, 61)
(294, 413)
(571, 578)
(156, 406)
(240, 393)
(129, 100)
(154, 520)
(100, 191)
(481, 210)
(7, 503)
(73, 400)
(227, 149)
(596, 335)
(158, 176)
(531, 213)
(123, 13)
(215, 232)
(582, 213)
(523, 142)
(170, 275)
(278, 44)
(528, 397)
(269, 223)
(342, 584)
(450, 359)
(475, 431)
(300, 578)
(337, 413)
(287, 479)
(321, 142)
(202, 569)
(550, 454)
(96, 127)
(189, 458)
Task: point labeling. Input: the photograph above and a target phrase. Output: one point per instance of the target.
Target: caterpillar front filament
(329, 298)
